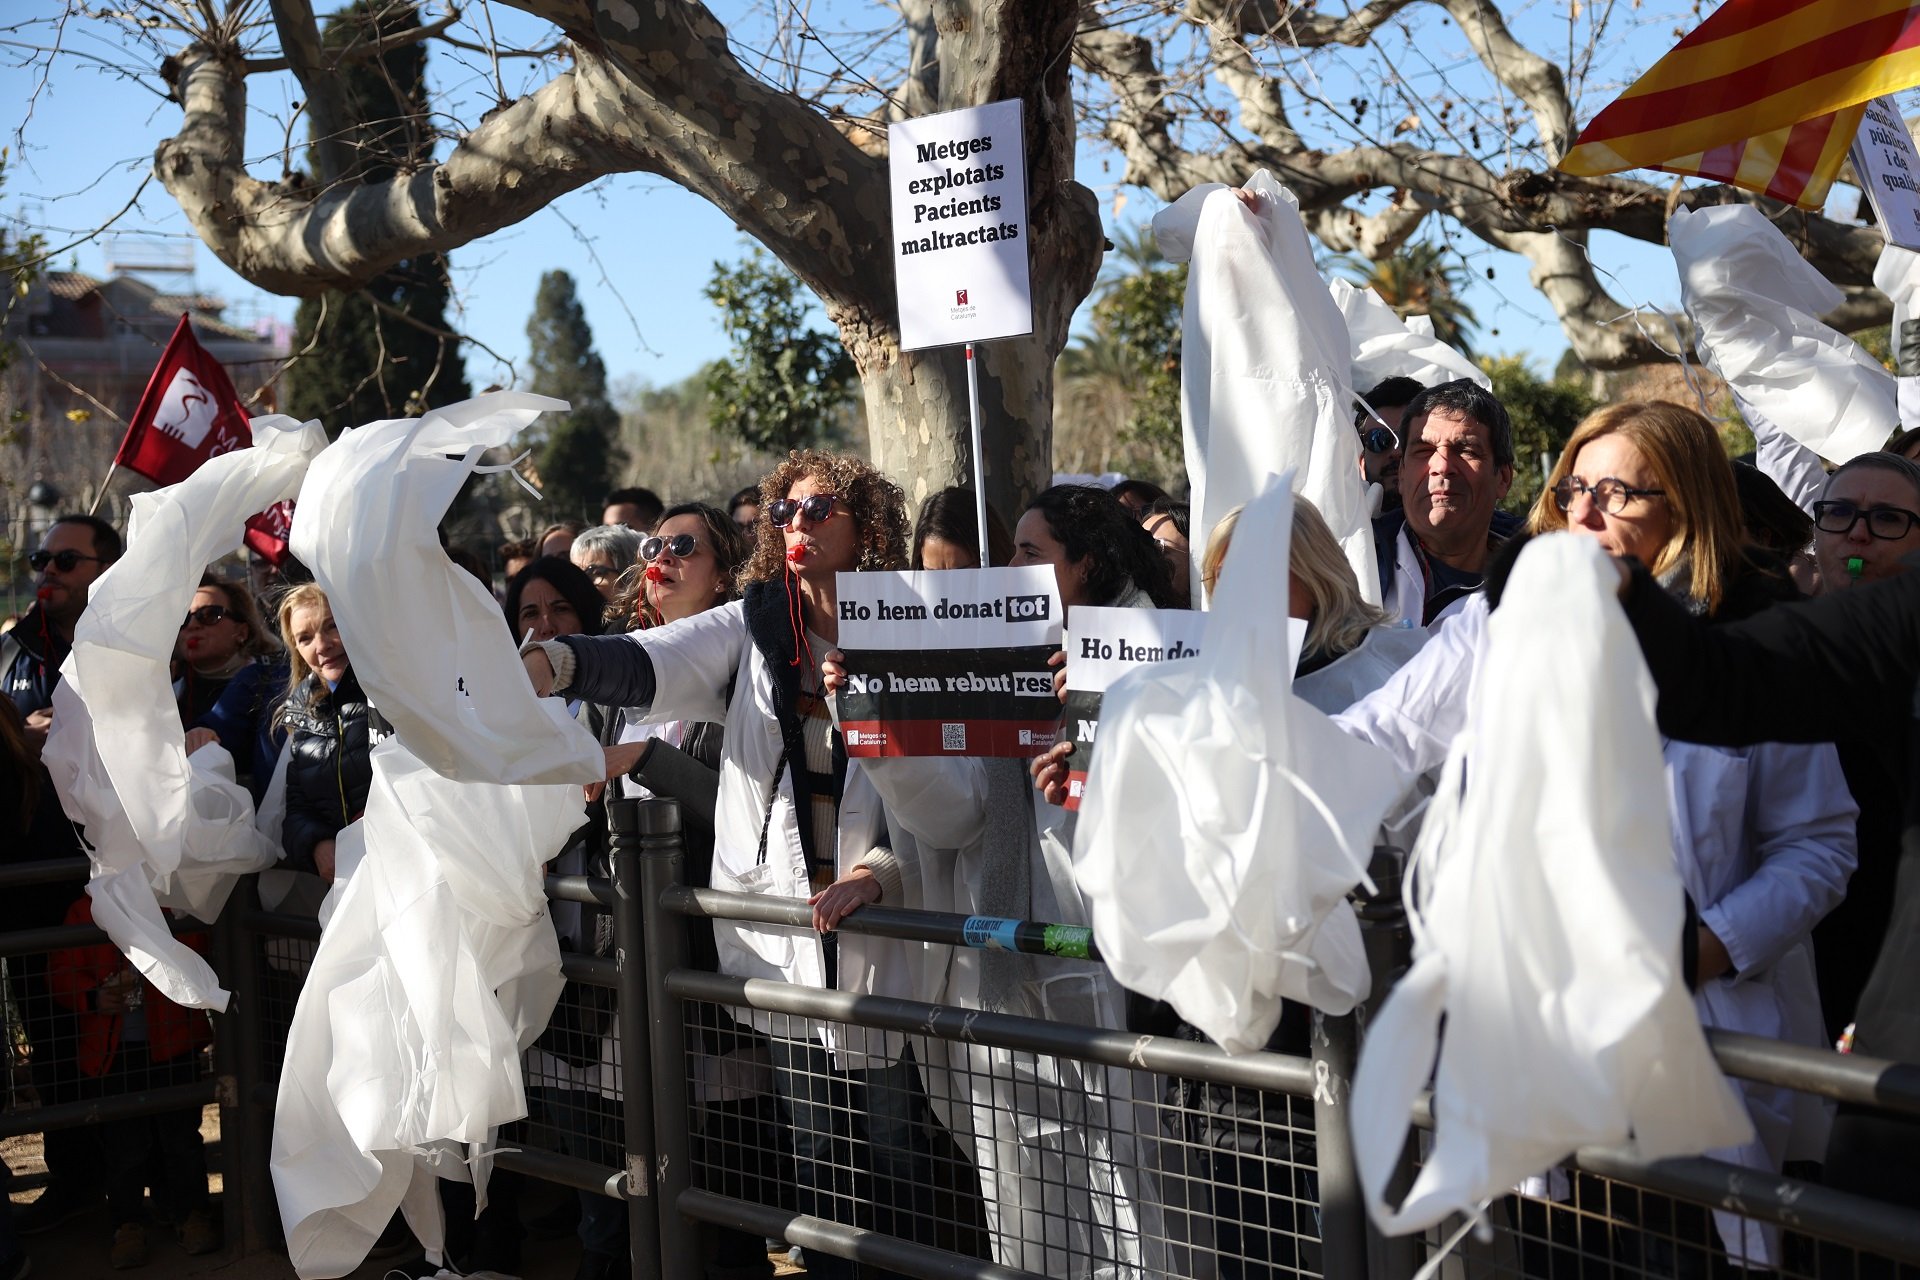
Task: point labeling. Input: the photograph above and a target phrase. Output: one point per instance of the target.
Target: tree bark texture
(655, 88)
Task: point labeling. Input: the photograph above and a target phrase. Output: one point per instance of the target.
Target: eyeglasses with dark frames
(1609, 493)
(816, 509)
(1886, 523)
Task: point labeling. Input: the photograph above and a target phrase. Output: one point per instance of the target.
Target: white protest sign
(959, 191)
(1888, 167)
(1104, 645)
(949, 662)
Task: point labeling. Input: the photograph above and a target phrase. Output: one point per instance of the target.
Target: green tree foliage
(1133, 354)
(383, 351)
(580, 460)
(1544, 414)
(786, 385)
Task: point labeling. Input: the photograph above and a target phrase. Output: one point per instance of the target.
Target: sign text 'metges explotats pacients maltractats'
(949, 662)
(959, 195)
(1104, 645)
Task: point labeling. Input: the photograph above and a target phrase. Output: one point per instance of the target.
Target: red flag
(188, 413)
(267, 533)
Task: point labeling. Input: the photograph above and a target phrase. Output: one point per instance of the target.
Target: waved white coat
(1264, 366)
(1545, 914)
(165, 828)
(1756, 306)
(439, 964)
(1230, 819)
(1386, 346)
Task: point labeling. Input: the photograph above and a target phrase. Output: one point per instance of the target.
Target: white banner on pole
(1888, 167)
(959, 192)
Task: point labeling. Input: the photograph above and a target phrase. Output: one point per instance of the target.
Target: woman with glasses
(1763, 836)
(1867, 520)
(796, 818)
(228, 674)
(603, 553)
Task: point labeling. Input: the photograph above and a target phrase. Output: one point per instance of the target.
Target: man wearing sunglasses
(76, 550)
(1378, 421)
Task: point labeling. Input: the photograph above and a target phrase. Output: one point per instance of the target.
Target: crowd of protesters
(699, 643)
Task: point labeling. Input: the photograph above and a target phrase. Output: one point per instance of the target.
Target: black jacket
(1844, 668)
(30, 658)
(329, 735)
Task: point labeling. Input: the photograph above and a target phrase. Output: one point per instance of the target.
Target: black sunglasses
(816, 509)
(680, 544)
(1379, 440)
(1886, 523)
(207, 614)
(64, 561)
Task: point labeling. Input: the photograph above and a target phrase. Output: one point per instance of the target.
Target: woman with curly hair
(796, 818)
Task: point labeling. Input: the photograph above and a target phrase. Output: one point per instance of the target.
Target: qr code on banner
(953, 737)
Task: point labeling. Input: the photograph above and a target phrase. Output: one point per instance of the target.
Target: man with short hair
(75, 551)
(638, 509)
(1457, 464)
(1380, 450)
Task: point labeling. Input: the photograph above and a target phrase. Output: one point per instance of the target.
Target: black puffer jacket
(329, 733)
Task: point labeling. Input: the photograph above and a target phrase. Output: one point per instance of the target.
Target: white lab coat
(1359, 671)
(695, 662)
(1763, 840)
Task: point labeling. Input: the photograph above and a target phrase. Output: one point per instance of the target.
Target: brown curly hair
(879, 512)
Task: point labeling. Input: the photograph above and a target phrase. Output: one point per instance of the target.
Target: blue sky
(87, 144)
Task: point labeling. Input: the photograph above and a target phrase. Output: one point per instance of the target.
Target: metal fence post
(1389, 947)
(664, 935)
(247, 1146)
(1343, 1211)
(636, 1063)
(236, 1186)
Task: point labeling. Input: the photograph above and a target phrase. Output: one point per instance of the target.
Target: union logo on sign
(959, 297)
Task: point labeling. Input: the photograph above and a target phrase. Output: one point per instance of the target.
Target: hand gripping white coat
(1264, 366)
(439, 964)
(165, 827)
(1548, 933)
(1755, 303)
(1229, 819)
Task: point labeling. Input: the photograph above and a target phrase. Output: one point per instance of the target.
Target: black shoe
(49, 1211)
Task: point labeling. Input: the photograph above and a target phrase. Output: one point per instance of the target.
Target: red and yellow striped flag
(1765, 94)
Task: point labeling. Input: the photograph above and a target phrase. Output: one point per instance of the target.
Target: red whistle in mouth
(797, 552)
(653, 574)
(44, 594)
(193, 642)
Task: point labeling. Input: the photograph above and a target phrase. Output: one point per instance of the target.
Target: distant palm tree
(1423, 278)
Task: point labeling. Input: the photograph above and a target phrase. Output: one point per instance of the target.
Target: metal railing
(699, 1151)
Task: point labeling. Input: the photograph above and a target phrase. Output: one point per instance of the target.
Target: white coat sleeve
(1785, 461)
(941, 800)
(1415, 716)
(694, 661)
(1800, 818)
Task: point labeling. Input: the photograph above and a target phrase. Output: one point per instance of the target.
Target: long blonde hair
(1690, 466)
(307, 595)
(1341, 618)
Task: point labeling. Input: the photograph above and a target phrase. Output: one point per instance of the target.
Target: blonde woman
(330, 731)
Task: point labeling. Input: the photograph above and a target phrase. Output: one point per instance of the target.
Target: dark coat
(30, 658)
(329, 736)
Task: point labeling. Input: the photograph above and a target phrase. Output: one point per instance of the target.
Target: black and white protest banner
(959, 193)
(949, 662)
(1106, 644)
(1888, 168)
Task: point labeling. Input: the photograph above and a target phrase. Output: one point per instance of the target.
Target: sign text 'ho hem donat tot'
(949, 662)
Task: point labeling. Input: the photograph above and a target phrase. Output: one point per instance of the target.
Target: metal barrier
(1015, 1144)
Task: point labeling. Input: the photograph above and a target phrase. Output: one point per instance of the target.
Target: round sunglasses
(680, 544)
(816, 509)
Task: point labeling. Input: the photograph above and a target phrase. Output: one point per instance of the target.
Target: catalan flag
(1765, 94)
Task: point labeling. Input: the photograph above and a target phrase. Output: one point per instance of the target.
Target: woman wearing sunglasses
(796, 818)
(1763, 836)
(228, 678)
